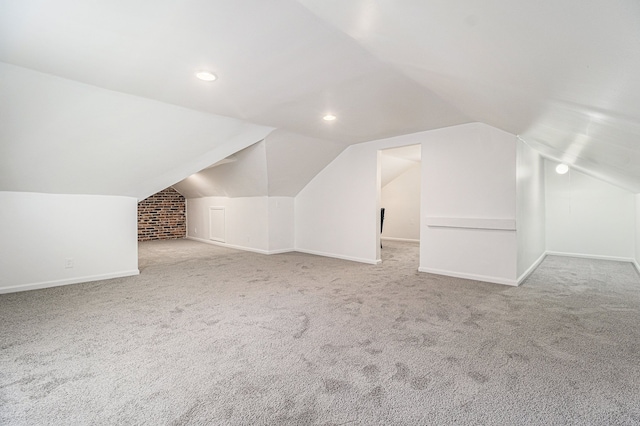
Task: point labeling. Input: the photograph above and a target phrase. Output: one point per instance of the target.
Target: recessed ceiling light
(562, 169)
(329, 117)
(206, 75)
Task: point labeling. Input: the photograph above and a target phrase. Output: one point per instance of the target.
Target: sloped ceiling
(280, 165)
(58, 136)
(244, 176)
(563, 75)
(278, 64)
(396, 161)
(293, 160)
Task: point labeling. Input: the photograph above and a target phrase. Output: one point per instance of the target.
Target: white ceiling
(564, 75)
(58, 136)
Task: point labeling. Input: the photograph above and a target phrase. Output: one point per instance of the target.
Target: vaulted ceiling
(563, 75)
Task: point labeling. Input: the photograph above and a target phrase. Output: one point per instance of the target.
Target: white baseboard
(67, 281)
(637, 265)
(338, 256)
(591, 256)
(484, 278)
(280, 251)
(261, 251)
(409, 240)
(236, 247)
(532, 268)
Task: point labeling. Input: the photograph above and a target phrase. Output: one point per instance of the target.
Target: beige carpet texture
(209, 335)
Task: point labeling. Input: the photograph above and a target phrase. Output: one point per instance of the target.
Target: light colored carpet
(207, 335)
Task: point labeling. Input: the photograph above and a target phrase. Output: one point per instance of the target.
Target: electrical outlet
(195, 230)
(68, 263)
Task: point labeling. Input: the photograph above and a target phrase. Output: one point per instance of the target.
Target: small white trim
(532, 268)
(235, 247)
(591, 256)
(484, 278)
(408, 240)
(637, 265)
(67, 281)
(339, 256)
(471, 222)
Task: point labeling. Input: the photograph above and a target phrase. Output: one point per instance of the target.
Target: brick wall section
(162, 216)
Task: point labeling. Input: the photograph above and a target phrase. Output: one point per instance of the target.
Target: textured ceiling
(563, 75)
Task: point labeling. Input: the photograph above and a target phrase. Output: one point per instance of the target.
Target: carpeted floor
(207, 335)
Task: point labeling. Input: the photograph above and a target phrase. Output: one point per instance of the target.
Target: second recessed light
(329, 117)
(206, 75)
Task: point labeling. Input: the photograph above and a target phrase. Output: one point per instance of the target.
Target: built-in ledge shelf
(471, 222)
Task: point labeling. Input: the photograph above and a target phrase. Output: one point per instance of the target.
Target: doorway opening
(399, 203)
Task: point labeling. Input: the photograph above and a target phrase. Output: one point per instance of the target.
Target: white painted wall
(401, 200)
(39, 232)
(469, 179)
(637, 233)
(588, 217)
(468, 172)
(281, 224)
(337, 213)
(246, 221)
(530, 209)
(260, 224)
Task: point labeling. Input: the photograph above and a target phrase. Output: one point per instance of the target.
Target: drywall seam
(590, 256)
(531, 268)
(338, 256)
(77, 280)
(236, 247)
(475, 277)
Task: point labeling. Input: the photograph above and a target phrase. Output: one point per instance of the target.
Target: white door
(216, 224)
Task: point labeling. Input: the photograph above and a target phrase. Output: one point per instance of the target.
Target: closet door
(216, 224)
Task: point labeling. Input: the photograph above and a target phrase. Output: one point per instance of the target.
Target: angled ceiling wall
(278, 64)
(60, 136)
(565, 76)
(293, 160)
(243, 175)
(280, 165)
